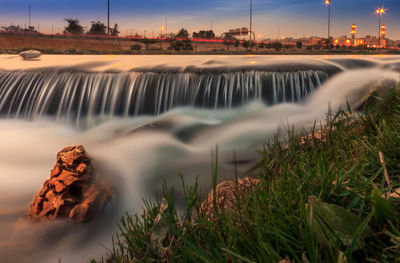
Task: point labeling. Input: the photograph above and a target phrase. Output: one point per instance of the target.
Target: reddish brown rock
(227, 194)
(73, 190)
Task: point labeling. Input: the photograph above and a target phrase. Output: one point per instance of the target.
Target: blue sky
(294, 17)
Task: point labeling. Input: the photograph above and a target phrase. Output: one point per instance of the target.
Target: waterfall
(72, 97)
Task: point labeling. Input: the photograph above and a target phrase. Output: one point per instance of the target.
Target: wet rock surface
(227, 194)
(30, 54)
(73, 191)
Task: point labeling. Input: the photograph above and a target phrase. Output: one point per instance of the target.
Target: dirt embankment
(61, 43)
(21, 42)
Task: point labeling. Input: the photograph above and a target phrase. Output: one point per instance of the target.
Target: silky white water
(180, 140)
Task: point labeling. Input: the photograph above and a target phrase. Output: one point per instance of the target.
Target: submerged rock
(227, 194)
(73, 190)
(30, 54)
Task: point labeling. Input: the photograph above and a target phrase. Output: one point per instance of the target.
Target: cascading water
(152, 126)
(72, 97)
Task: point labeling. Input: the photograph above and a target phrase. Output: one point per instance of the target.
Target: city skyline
(271, 18)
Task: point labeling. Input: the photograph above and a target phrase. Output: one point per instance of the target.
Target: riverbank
(332, 196)
(58, 44)
(221, 51)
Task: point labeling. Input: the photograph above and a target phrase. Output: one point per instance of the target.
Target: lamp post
(166, 27)
(162, 29)
(380, 11)
(108, 18)
(29, 17)
(328, 4)
(251, 18)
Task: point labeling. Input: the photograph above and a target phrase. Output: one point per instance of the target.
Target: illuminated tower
(383, 35)
(353, 33)
(383, 31)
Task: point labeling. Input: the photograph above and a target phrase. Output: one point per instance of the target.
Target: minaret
(383, 31)
(353, 33)
(383, 36)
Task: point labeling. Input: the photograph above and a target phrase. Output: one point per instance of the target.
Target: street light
(328, 4)
(380, 11)
(251, 18)
(162, 29)
(29, 17)
(108, 18)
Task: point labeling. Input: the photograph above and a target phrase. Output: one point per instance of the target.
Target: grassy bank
(327, 197)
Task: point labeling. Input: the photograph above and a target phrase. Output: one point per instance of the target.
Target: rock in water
(30, 54)
(73, 190)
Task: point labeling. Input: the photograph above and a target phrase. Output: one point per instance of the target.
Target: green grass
(319, 201)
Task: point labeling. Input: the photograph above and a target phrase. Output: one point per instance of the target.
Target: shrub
(277, 46)
(246, 44)
(136, 47)
(178, 45)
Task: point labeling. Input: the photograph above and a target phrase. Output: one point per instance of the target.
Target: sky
(272, 18)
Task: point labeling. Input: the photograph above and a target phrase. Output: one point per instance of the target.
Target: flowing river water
(144, 119)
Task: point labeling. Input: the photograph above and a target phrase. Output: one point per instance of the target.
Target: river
(144, 119)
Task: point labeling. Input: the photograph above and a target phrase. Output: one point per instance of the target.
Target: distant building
(392, 43)
(373, 41)
(343, 41)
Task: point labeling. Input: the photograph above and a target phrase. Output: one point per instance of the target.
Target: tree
(12, 28)
(73, 27)
(246, 44)
(183, 34)
(319, 45)
(277, 46)
(299, 44)
(18, 29)
(209, 34)
(31, 29)
(179, 45)
(171, 36)
(115, 30)
(228, 43)
(236, 44)
(97, 28)
(197, 35)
